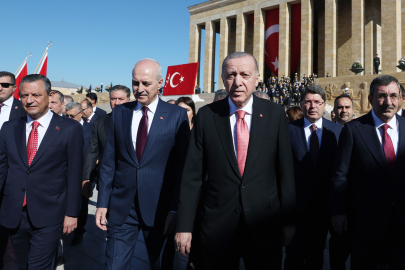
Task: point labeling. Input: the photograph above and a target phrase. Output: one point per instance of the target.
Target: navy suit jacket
(363, 187)
(156, 177)
(312, 181)
(17, 110)
(52, 182)
(100, 112)
(87, 127)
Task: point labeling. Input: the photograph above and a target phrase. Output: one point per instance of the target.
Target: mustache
(384, 107)
(141, 94)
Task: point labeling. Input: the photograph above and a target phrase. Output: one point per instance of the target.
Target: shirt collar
(247, 108)
(318, 123)
(151, 107)
(95, 108)
(400, 112)
(81, 121)
(378, 122)
(9, 101)
(43, 121)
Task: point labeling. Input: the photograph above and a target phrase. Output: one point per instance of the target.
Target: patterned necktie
(242, 135)
(142, 135)
(314, 144)
(32, 147)
(87, 120)
(388, 147)
(1, 105)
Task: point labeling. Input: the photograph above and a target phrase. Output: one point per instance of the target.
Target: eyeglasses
(73, 115)
(383, 97)
(316, 103)
(5, 85)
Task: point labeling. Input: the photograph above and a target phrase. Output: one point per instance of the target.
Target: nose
(238, 80)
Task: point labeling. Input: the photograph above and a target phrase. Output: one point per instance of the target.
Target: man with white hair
(140, 172)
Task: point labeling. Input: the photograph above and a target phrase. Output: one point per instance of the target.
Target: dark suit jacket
(266, 191)
(17, 110)
(93, 119)
(363, 187)
(100, 112)
(95, 147)
(155, 178)
(52, 182)
(87, 127)
(312, 181)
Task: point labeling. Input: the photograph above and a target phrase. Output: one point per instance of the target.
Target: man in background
(88, 114)
(343, 109)
(92, 97)
(10, 108)
(57, 102)
(376, 63)
(220, 94)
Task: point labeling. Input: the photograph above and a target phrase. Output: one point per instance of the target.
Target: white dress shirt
(6, 110)
(234, 119)
(308, 131)
(94, 109)
(91, 116)
(399, 112)
(81, 121)
(44, 122)
(138, 113)
(392, 131)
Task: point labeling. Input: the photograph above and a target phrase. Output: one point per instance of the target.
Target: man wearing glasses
(10, 108)
(314, 141)
(367, 191)
(88, 114)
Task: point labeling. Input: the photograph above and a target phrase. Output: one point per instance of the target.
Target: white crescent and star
(171, 79)
(271, 30)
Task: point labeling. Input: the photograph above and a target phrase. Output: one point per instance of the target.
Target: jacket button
(134, 187)
(139, 167)
(23, 190)
(237, 210)
(28, 172)
(243, 186)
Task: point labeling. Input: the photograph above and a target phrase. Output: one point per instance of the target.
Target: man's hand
(339, 223)
(170, 223)
(69, 225)
(87, 189)
(101, 222)
(183, 243)
(288, 233)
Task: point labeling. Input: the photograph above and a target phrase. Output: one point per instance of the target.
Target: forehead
(144, 70)
(118, 93)
(5, 79)
(245, 63)
(390, 88)
(344, 101)
(311, 96)
(55, 97)
(32, 86)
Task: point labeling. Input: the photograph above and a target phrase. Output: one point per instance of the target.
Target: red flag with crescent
(44, 65)
(271, 39)
(180, 79)
(20, 74)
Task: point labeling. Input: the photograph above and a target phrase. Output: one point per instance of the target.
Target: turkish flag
(21, 74)
(44, 65)
(271, 39)
(180, 79)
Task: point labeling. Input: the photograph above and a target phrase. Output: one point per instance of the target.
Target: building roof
(210, 5)
(64, 84)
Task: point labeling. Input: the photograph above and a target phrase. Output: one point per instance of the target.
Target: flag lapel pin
(57, 127)
(161, 118)
(261, 115)
(16, 107)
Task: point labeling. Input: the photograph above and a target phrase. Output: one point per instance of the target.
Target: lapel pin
(16, 107)
(161, 118)
(261, 115)
(57, 127)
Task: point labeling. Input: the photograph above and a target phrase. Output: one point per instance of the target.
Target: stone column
(331, 10)
(284, 41)
(209, 57)
(223, 48)
(403, 25)
(391, 35)
(358, 31)
(240, 32)
(195, 47)
(369, 41)
(307, 30)
(258, 41)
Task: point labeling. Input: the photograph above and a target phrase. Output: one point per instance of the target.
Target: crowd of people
(242, 178)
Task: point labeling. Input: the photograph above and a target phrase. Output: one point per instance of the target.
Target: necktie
(314, 144)
(32, 147)
(1, 105)
(142, 135)
(87, 120)
(388, 147)
(242, 135)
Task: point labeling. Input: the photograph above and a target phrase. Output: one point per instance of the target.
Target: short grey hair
(220, 94)
(158, 71)
(74, 105)
(61, 96)
(239, 55)
(68, 99)
(261, 94)
(38, 77)
(383, 80)
(122, 88)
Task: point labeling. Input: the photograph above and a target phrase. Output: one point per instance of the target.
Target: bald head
(150, 65)
(146, 80)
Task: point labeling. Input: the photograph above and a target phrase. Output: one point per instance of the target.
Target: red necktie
(87, 120)
(142, 135)
(388, 147)
(242, 135)
(32, 147)
(314, 144)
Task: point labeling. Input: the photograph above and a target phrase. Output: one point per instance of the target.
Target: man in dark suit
(88, 114)
(119, 94)
(57, 102)
(10, 108)
(40, 169)
(376, 63)
(367, 181)
(313, 140)
(141, 170)
(249, 194)
(400, 111)
(92, 97)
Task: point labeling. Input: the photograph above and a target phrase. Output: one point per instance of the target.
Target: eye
(135, 83)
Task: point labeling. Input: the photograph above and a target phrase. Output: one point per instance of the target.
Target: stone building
(334, 34)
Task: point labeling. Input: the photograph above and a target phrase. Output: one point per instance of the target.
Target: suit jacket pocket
(273, 201)
(210, 201)
(57, 188)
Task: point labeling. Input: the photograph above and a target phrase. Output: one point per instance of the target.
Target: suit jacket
(363, 187)
(17, 110)
(266, 192)
(87, 127)
(155, 178)
(95, 147)
(100, 112)
(312, 181)
(52, 182)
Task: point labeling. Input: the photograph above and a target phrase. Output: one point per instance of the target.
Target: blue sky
(94, 41)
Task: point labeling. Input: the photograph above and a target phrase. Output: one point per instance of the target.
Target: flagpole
(40, 61)
(28, 55)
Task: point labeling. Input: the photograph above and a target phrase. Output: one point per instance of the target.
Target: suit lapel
(401, 146)
(106, 124)
(158, 120)
(222, 123)
(127, 131)
(50, 135)
(21, 140)
(301, 134)
(13, 110)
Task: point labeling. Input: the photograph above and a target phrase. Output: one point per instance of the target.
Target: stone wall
(344, 57)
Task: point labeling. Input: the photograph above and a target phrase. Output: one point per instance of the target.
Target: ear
(370, 99)
(160, 82)
(257, 79)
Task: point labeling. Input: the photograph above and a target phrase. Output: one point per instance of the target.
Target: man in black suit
(57, 102)
(10, 108)
(376, 63)
(314, 140)
(88, 114)
(367, 181)
(92, 97)
(249, 193)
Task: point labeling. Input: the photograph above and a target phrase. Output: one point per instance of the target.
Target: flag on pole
(181, 79)
(44, 65)
(20, 74)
